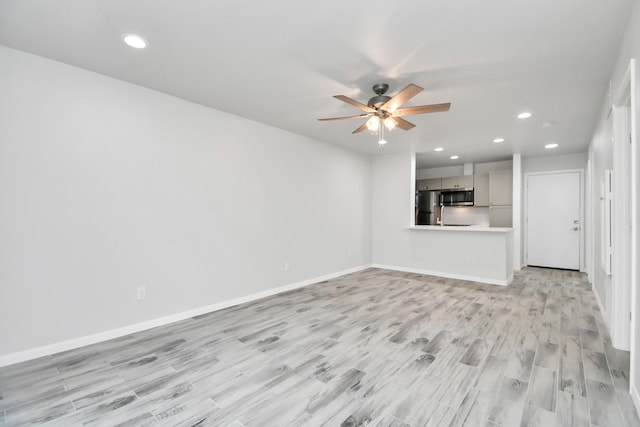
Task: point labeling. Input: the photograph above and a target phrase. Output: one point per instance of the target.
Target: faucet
(441, 214)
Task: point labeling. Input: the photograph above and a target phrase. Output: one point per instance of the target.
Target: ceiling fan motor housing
(379, 89)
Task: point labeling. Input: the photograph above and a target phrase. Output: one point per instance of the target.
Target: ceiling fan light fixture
(389, 123)
(382, 142)
(373, 124)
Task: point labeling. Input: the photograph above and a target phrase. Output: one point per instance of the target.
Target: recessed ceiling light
(524, 115)
(551, 146)
(438, 149)
(498, 140)
(454, 157)
(134, 41)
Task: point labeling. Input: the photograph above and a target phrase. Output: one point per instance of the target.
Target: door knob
(575, 228)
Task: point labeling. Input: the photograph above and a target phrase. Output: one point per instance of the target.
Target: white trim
(589, 215)
(466, 228)
(635, 396)
(517, 212)
(634, 377)
(34, 353)
(447, 275)
(601, 307)
(620, 193)
(582, 209)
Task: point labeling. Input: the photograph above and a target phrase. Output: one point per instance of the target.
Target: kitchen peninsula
(476, 253)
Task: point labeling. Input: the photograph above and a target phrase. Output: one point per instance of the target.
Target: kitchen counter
(474, 228)
(476, 253)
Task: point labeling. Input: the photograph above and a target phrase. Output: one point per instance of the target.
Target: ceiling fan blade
(401, 97)
(355, 103)
(361, 128)
(402, 123)
(359, 116)
(421, 109)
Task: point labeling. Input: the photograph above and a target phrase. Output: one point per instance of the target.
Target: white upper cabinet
(481, 190)
(501, 188)
(429, 184)
(457, 182)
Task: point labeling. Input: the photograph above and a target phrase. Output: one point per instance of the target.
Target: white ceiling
(280, 62)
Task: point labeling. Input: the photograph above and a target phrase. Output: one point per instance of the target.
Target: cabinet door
(449, 183)
(501, 188)
(465, 181)
(481, 190)
(434, 183)
(500, 216)
(421, 184)
(457, 182)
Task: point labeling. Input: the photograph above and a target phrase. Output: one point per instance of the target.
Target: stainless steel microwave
(457, 198)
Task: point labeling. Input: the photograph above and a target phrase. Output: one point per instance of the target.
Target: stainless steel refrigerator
(427, 207)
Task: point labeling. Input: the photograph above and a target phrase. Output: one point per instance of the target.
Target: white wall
(106, 186)
(390, 211)
(485, 168)
(554, 162)
(442, 172)
(458, 170)
(601, 158)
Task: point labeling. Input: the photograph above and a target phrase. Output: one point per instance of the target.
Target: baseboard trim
(635, 396)
(47, 350)
(447, 275)
(605, 315)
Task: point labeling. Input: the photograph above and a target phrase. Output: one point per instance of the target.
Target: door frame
(629, 94)
(581, 219)
(620, 305)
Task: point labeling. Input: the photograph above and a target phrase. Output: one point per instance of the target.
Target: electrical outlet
(141, 293)
(287, 266)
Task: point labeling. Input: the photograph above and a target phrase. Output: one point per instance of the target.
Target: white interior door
(553, 220)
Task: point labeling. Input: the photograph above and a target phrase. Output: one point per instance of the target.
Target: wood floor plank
(572, 379)
(543, 389)
(375, 347)
(629, 413)
(536, 417)
(441, 340)
(548, 355)
(476, 353)
(510, 402)
(596, 366)
(474, 410)
(604, 408)
(521, 364)
(591, 340)
(490, 375)
(572, 410)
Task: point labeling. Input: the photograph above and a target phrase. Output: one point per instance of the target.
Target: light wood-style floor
(378, 348)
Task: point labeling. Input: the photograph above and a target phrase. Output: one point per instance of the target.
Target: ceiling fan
(384, 109)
